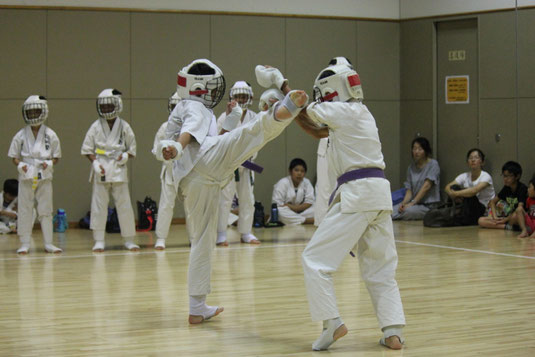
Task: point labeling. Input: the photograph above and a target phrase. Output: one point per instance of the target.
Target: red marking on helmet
(330, 96)
(354, 80)
(198, 92)
(181, 81)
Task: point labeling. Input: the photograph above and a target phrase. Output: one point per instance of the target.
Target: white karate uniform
(120, 139)
(325, 184)
(7, 222)
(206, 166)
(242, 186)
(358, 217)
(168, 191)
(285, 192)
(35, 186)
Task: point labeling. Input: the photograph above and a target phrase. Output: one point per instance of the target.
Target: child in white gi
(168, 190)
(243, 184)
(294, 195)
(35, 150)
(108, 144)
(8, 211)
(204, 165)
(359, 212)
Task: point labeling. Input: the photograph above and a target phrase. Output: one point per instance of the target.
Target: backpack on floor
(112, 223)
(147, 215)
(259, 216)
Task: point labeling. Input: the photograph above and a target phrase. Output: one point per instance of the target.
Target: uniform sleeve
(279, 193)
(433, 173)
(16, 147)
(220, 121)
(197, 120)
(316, 113)
(88, 146)
(309, 193)
(55, 146)
(130, 141)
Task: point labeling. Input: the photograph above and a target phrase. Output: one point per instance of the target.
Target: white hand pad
(233, 119)
(96, 167)
(168, 143)
(267, 76)
(20, 166)
(124, 159)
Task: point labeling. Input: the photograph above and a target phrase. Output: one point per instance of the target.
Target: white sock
(51, 248)
(248, 237)
(198, 307)
(160, 243)
(99, 245)
(326, 339)
(131, 245)
(221, 237)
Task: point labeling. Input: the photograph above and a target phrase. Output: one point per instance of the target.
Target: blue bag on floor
(398, 196)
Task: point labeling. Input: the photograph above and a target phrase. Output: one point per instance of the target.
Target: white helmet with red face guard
(201, 81)
(338, 83)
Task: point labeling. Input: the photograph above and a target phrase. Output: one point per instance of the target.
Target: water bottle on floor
(60, 221)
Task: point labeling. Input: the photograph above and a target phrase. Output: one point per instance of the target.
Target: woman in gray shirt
(422, 184)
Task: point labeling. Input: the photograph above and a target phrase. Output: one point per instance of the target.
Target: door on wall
(457, 95)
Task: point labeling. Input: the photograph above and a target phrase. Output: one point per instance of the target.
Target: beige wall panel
(386, 114)
(87, 52)
(417, 59)
(526, 143)
(497, 117)
(274, 161)
(526, 53)
(416, 120)
(147, 117)
(11, 122)
(311, 43)
(23, 59)
(239, 43)
(378, 59)
(161, 45)
(497, 55)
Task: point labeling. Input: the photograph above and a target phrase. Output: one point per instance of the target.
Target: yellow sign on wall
(457, 89)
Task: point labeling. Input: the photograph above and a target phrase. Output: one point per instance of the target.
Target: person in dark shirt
(513, 195)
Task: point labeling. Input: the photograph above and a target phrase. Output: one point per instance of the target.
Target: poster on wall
(457, 89)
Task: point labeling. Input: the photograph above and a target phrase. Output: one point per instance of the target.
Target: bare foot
(197, 319)
(298, 97)
(523, 235)
(340, 332)
(393, 342)
(222, 244)
(252, 241)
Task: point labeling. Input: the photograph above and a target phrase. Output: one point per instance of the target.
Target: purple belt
(252, 166)
(356, 175)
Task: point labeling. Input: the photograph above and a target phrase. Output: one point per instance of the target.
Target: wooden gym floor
(466, 292)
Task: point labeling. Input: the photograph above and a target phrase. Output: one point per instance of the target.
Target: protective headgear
(173, 101)
(265, 98)
(107, 98)
(337, 83)
(340, 60)
(202, 81)
(35, 110)
(242, 87)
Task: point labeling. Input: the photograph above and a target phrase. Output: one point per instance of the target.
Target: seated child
(294, 195)
(512, 195)
(528, 223)
(8, 213)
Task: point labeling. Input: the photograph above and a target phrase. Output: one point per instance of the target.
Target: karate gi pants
(202, 186)
(25, 215)
(289, 217)
(324, 187)
(166, 209)
(336, 236)
(99, 206)
(244, 190)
